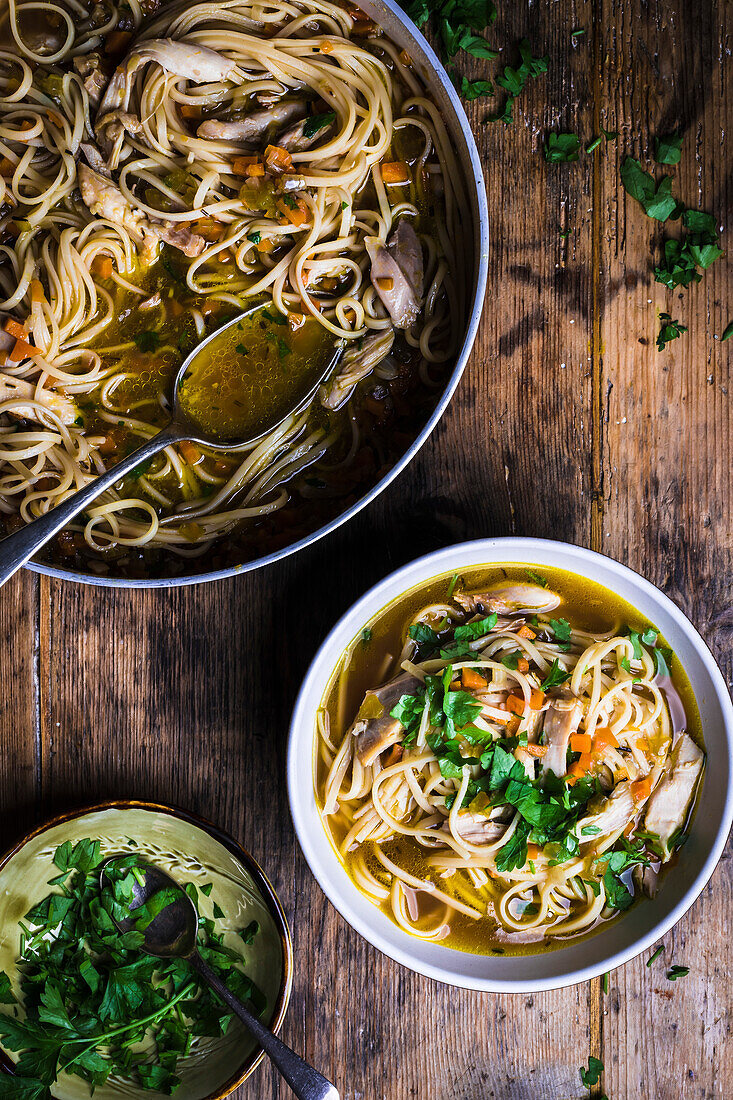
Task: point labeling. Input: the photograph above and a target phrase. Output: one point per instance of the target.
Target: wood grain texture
(568, 424)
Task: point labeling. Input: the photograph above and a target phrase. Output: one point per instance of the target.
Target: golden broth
(365, 664)
(251, 376)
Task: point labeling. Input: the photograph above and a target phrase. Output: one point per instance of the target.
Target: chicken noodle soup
(507, 760)
(162, 169)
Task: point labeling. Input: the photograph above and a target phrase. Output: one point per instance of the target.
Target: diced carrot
(472, 679)
(189, 110)
(256, 170)
(14, 328)
(37, 294)
(536, 699)
(385, 283)
(642, 743)
(642, 788)
(522, 664)
(116, 41)
(604, 738)
(533, 850)
(278, 159)
(210, 229)
(190, 452)
(526, 632)
(295, 321)
(393, 756)
(266, 244)
(515, 704)
(108, 446)
(513, 725)
(297, 215)
(241, 165)
(536, 750)
(21, 350)
(455, 685)
(585, 761)
(575, 771)
(102, 266)
(581, 742)
(326, 47)
(395, 171)
(7, 167)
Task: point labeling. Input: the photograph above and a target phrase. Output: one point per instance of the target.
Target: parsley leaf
(592, 1075)
(513, 854)
(668, 150)
(669, 330)
(537, 578)
(472, 631)
(556, 676)
(474, 89)
(513, 81)
(677, 972)
(656, 199)
(561, 148)
(314, 123)
(727, 332)
(147, 341)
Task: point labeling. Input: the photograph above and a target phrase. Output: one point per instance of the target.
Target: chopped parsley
(147, 341)
(561, 148)
(282, 348)
(669, 330)
(241, 349)
(556, 676)
(514, 81)
(537, 578)
(456, 23)
(255, 238)
(314, 123)
(656, 199)
(668, 150)
(366, 636)
(474, 89)
(91, 994)
(592, 1075)
(592, 145)
(727, 332)
(676, 972)
(563, 633)
(655, 956)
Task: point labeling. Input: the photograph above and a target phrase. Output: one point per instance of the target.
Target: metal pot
(404, 33)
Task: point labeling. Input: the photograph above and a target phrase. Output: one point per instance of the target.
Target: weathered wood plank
(668, 482)
(19, 774)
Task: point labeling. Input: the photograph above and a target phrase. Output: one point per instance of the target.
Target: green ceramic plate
(191, 850)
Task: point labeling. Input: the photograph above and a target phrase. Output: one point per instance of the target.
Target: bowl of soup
(314, 166)
(497, 759)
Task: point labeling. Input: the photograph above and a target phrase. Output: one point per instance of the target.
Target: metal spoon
(172, 934)
(18, 548)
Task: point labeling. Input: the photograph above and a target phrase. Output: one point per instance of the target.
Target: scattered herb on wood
(562, 148)
(669, 330)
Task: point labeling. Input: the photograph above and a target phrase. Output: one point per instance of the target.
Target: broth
(372, 659)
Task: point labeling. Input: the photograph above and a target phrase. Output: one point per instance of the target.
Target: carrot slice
(190, 452)
(536, 750)
(642, 788)
(581, 742)
(515, 704)
(297, 215)
(472, 679)
(522, 664)
(604, 738)
(526, 632)
(14, 328)
(277, 158)
(21, 350)
(536, 699)
(395, 171)
(102, 266)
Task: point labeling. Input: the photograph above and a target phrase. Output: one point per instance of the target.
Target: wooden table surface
(568, 424)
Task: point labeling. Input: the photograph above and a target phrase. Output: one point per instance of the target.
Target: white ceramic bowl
(624, 938)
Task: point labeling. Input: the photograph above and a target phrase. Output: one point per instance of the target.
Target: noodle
(129, 226)
(520, 768)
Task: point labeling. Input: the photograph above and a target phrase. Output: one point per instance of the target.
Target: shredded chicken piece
(359, 360)
(378, 730)
(670, 800)
(508, 599)
(255, 126)
(94, 78)
(295, 140)
(562, 719)
(397, 273)
(11, 389)
(106, 200)
(613, 813)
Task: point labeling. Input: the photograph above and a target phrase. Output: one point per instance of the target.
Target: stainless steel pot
(402, 31)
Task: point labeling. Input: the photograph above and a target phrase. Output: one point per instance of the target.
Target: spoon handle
(307, 1083)
(18, 548)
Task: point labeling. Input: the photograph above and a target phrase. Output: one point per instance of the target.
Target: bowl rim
(250, 864)
(475, 305)
(322, 859)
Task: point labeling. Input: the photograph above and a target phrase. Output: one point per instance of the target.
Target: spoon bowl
(227, 397)
(172, 932)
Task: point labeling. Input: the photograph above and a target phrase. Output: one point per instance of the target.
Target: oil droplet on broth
(251, 376)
